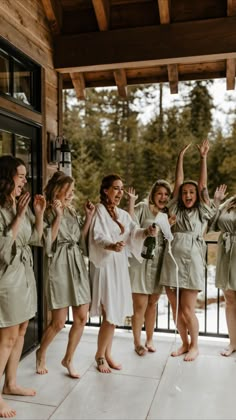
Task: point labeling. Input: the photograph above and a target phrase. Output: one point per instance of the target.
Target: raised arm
(131, 201)
(179, 171)
(203, 149)
(220, 194)
(89, 212)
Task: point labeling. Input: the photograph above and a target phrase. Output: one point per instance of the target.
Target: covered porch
(156, 386)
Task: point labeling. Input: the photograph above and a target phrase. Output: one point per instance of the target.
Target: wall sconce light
(64, 162)
(59, 153)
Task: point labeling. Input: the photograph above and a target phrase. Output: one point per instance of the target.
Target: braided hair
(107, 182)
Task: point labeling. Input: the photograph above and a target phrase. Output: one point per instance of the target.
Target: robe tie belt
(71, 243)
(26, 255)
(228, 238)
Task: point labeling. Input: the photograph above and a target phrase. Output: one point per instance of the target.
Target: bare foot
(228, 351)
(181, 350)
(102, 365)
(40, 364)
(191, 355)
(149, 345)
(18, 390)
(69, 366)
(140, 350)
(113, 364)
(5, 410)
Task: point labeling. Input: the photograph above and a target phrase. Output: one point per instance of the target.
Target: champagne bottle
(149, 246)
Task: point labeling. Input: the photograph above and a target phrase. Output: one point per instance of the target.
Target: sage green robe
(66, 274)
(188, 248)
(145, 275)
(18, 296)
(226, 251)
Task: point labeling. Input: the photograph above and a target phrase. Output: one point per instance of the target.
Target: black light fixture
(59, 153)
(63, 155)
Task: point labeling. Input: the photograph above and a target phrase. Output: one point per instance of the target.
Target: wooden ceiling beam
(173, 77)
(164, 11)
(121, 82)
(102, 12)
(195, 41)
(79, 85)
(172, 69)
(230, 74)
(53, 11)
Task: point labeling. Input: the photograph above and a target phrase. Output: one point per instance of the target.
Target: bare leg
(10, 387)
(76, 331)
(230, 312)
(181, 324)
(140, 302)
(150, 319)
(8, 338)
(105, 337)
(56, 324)
(188, 302)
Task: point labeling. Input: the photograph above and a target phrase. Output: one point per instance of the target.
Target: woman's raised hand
(39, 204)
(220, 194)
(131, 194)
(57, 206)
(89, 208)
(22, 204)
(203, 147)
(184, 149)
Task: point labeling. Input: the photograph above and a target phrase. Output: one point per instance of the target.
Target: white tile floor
(156, 386)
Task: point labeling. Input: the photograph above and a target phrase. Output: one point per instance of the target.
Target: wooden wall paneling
(35, 9)
(26, 24)
(51, 92)
(23, 112)
(24, 43)
(60, 105)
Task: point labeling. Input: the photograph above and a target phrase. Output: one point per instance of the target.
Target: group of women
(118, 282)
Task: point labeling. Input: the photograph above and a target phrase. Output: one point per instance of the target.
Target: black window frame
(12, 55)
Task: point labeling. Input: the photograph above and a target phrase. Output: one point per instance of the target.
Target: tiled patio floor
(156, 386)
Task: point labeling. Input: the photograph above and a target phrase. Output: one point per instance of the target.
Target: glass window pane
(22, 83)
(4, 75)
(5, 143)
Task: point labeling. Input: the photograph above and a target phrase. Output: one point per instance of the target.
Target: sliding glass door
(24, 141)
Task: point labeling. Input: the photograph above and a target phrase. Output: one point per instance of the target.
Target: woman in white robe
(19, 229)
(113, 236)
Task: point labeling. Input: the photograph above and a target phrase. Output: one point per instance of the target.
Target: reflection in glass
(22, 83)
(23, 151)
(4, 75)
(5, 143)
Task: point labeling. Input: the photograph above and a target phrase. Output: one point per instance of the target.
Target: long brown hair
(107, 182)
(8, 169)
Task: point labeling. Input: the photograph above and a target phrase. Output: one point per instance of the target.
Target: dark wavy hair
(8, 169)
(55, 184)
(107, 182)
(180, 200)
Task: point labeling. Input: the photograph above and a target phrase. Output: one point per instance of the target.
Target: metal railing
(210, 308)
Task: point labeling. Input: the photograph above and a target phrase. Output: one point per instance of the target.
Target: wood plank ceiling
(100, 43)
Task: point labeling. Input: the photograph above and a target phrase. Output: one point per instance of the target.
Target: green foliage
(107, 136)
